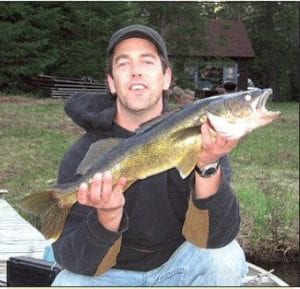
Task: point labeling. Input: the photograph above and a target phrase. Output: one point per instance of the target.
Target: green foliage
(273, 28)
(34, 136)
(276, 41)
(60, 38)
(27, 46)
(70, 38)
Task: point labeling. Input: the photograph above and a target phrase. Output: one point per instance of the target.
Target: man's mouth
(137, 87)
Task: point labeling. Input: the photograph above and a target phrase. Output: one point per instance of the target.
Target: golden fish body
(174, 141)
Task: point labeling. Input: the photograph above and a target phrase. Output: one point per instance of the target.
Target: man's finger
(82, 196)
(207, 138)
(120, 186)
(95, 189)
(106, 187)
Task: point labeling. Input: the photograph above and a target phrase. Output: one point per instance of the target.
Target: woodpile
(63, 87)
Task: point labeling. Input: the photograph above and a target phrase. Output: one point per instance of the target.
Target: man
(162, 231)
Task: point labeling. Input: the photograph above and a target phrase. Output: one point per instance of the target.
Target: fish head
(240, 113)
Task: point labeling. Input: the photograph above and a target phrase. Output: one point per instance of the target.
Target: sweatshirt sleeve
(214, 222)
(84, 243)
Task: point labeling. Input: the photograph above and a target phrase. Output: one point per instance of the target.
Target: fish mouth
(259, 104)
(248, 114)
(264, 97)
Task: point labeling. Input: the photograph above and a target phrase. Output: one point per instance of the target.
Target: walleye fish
(173, 141)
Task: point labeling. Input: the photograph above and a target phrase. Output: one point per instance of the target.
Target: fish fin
(53, 221)
(46, 207)
(189, 148)
(186, 166)
(153, 122)
(96, 151)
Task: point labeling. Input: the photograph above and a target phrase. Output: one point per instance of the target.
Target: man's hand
(214, 146)
(108, 200)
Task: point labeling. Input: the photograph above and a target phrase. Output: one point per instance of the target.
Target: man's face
(137, 76)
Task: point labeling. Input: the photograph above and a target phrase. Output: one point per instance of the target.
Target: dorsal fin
(153, 122)
(95, 152)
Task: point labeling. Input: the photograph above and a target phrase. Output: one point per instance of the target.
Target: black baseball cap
(139, 31)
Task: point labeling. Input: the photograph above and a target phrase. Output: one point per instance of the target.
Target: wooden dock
(17, 237)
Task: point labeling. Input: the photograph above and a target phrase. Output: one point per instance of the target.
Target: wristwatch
(209, 170)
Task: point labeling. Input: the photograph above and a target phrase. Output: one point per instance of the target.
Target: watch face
(210, 171)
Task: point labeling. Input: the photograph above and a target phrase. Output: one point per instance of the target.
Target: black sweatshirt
(157, 215)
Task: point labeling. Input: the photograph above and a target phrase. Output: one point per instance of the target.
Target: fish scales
(156, 145)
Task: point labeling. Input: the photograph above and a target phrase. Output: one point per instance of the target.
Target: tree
(70, 38)
(27, 46)
(61, 38)
(273, 28)
(275, 44)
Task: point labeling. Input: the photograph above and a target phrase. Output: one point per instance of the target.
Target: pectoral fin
(96, 151)
(190, 149)
(186, 167)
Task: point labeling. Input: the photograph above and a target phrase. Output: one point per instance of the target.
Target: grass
(266, 180)
(35, 134)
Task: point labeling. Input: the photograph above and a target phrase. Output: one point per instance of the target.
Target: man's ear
(111, 84)
(167, 78)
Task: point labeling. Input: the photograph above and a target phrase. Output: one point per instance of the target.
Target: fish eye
(248, 97)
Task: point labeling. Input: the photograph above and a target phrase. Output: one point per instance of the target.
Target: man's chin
(138, 109)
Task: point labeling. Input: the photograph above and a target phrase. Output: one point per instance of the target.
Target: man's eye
(148, 61)
(121, 64)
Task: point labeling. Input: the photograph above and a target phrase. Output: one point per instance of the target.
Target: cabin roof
(222, 38)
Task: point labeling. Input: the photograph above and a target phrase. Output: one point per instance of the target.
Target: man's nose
(136, 70)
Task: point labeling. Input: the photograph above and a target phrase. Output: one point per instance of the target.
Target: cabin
(217, 53)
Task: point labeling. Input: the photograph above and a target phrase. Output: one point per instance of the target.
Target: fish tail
(45, 206)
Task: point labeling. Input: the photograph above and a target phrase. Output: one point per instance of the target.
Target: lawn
(35, 133)
(266, 179)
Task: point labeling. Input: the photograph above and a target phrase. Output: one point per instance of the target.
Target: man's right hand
(108, 200)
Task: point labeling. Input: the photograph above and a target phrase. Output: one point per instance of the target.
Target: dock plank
(17, 237)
